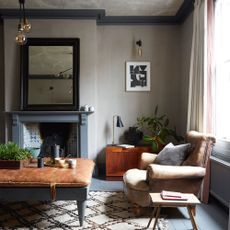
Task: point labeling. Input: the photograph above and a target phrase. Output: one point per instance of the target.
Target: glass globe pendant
(26, 25)
(20, 37)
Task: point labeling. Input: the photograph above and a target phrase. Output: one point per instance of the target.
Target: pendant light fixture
(23, 26)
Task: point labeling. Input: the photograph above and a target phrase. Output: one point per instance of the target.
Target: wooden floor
(212, 216)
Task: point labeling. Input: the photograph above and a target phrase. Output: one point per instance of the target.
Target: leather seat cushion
(38, 177)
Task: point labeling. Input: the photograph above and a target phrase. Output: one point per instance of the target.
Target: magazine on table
(171, 195)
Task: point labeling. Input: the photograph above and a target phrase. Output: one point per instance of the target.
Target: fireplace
(68, 129)
(55, 134)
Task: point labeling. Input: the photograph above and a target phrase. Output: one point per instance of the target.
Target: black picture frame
(24, 74)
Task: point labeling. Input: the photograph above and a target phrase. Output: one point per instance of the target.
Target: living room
(104, 51)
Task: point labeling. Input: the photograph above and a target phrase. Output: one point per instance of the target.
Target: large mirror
(50, 74)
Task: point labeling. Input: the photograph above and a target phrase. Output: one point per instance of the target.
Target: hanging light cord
(20, 12)
(23, 11)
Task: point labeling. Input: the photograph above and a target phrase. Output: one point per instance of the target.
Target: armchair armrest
(155, 171)
(146, 159)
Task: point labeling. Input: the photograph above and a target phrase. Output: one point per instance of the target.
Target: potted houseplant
(156, 130)
(12, 156)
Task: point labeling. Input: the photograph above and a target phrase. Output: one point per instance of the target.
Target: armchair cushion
(172, 154)
(157, 172)
(146, 159)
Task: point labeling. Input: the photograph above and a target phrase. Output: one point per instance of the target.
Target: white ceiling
(112, 7)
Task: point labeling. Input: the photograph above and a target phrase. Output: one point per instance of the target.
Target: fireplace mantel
(19, 118)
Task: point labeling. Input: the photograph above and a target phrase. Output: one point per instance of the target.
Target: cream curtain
(200, 104)
(197, 74)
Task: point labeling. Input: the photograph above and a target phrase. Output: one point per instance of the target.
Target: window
(222, 56)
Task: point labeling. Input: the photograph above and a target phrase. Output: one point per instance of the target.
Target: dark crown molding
(100, 16)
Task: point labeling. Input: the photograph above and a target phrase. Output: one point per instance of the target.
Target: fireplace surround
(79, 119)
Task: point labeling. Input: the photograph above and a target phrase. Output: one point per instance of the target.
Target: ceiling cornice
(100, 16)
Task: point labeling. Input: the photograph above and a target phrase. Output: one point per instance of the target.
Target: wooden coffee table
(158, 203)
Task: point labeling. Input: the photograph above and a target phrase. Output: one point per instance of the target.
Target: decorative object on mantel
(87, 108)
(157, 131)
(13, 157)
(137, 76)
(23, 25)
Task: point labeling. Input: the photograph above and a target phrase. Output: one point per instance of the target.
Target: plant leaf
(148, 138)
(154, 146)
(160, 141)
(166, 122)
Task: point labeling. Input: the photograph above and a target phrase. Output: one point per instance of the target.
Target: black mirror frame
(24, 73)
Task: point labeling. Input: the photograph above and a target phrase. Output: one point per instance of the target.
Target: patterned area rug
(105, 210)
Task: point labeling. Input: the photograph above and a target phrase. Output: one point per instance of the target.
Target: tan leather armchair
(150, 177)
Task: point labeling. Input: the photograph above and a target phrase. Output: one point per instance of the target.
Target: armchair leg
(137, 210)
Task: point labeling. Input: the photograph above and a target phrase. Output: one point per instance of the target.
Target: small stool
(158, 202)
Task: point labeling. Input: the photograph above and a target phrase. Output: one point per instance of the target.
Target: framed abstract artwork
(137, 76)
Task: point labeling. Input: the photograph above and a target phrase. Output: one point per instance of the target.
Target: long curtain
(195, 118)
(200, 100)
(209, 125)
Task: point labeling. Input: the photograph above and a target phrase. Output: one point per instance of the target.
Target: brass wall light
(23, 26)
(139, 48)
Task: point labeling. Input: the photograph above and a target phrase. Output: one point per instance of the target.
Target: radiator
(220, 180)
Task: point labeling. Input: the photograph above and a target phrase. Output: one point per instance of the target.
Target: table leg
(157, 216)
(152, 215)
(189, 208)
(193, 209)
(81, 205)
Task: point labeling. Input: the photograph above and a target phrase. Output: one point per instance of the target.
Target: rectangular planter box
(10, 164)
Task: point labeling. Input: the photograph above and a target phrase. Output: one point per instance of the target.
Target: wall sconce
(139, 48)
(119, 124)
(23, 25)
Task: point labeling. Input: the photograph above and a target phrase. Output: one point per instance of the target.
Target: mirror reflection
(50, 75)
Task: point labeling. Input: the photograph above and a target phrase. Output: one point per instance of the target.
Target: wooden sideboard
(119, 159)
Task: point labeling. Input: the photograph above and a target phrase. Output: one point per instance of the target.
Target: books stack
(170, 195)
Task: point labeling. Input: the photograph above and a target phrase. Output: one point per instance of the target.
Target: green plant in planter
(157, 130)
(11, 151)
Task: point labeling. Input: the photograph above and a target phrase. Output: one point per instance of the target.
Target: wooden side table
(158, 203)
(119, 159)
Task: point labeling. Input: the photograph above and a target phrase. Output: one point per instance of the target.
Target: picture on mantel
(137, 76)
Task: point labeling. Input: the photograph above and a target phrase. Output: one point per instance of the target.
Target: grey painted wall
(103, 53)
(2, 138)
(186, 41)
